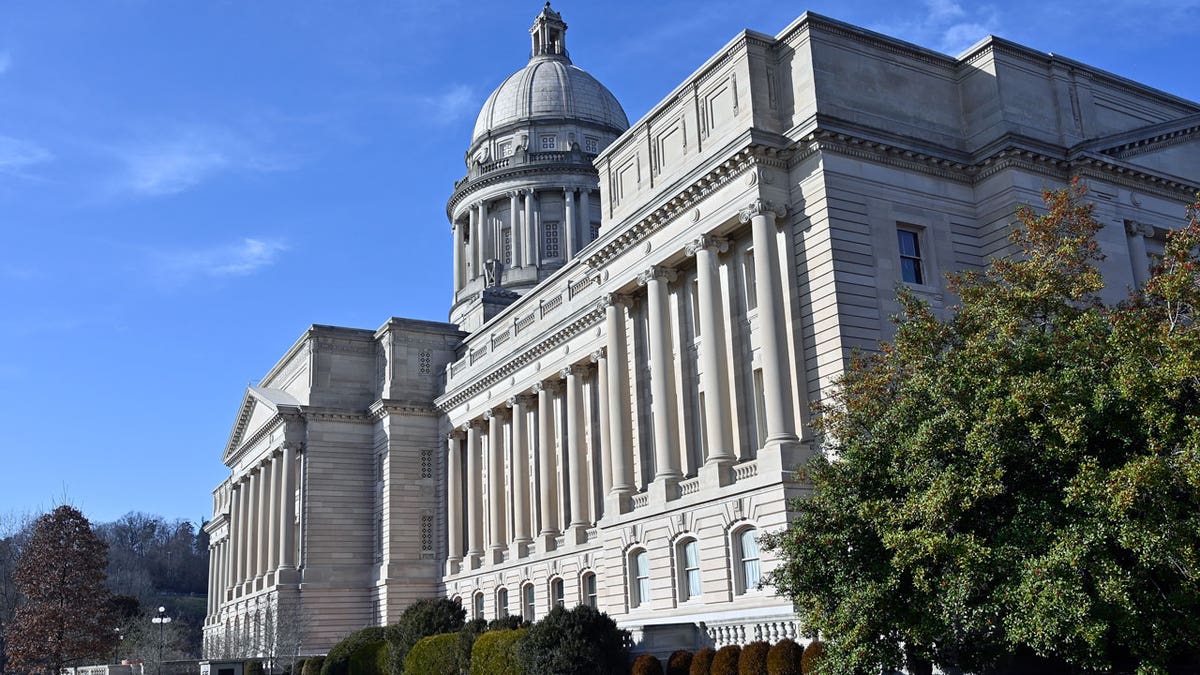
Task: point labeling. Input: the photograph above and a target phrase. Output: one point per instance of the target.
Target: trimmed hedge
(420, 620)
(646, 664)
(679, 663)
(510, 622)
(702, 661)
(726, 661)
(436, 655)
(784, 658)
(297, 668)
(813, 654)
(253, 668)
(581, 641)
(352, 648)
(753, 660)
(495, 652)
(312, 666)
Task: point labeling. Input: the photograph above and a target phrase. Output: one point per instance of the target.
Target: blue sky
(185, 186)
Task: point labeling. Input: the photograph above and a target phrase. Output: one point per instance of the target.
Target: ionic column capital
(523, 399)
(601, 353)
(577, 369)
(761, 207)
(457, 433)
(548, 386)
(709, 242)
(478, 424)
(1134, 228)
(657, 272)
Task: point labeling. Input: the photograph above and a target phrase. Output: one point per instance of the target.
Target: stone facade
(618, 423)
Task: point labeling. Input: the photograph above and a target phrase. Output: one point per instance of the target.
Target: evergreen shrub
(725, 662)
(495, 652)
(753, 659)
(645, 664)
(679, 663)
(702, 661)
(313, 665)
(580, 641)
(509, 622)
(435, 655)
(813, 654)
(420, 620)
(253, 668)
(784, 658)
(338, 660)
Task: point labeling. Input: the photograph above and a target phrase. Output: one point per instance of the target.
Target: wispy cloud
(181, 161)
(5, 62)
(948, 25)
(16, 155)
(451, 105)
(236, 259)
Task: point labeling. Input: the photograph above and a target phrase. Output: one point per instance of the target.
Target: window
(595, 231)
(588, 583)
(501, 603)
(507, 246)
(748, 276)
(746, 552)
(478, 609)
(591, 145)
(695, 307)
(910, 256)
(549, 142)
(552, 240)
(528, 608)
(689, 565)
(506, 150)
(760, 408)
(640, 578)
(556, 593)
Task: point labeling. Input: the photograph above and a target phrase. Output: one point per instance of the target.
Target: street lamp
(117, 645)
(161, 621)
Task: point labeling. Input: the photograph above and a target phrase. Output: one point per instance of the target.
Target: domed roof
(549, 87)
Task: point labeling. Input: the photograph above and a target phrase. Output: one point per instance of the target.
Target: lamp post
(161, 621)
(117, 645)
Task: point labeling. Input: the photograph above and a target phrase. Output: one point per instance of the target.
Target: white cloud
(452, 104)
(17, 155)
(237, 259)
(181, 161)
(948, 25)
(5, 62)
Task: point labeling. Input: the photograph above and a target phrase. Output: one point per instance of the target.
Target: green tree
(1019, 480)
(580, 641)
(66, 611)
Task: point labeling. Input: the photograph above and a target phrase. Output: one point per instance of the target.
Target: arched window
(588, 585)
(746, 557)
(639, 577)
(557, 596)
(478, 609)
(501, 603)
(528, 606)
(687, 557)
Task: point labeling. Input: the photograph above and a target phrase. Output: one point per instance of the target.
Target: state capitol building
(642, 315)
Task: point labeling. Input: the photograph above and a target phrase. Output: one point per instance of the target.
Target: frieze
(385, 407)
(342, 346)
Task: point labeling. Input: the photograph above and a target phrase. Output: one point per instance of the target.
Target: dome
(550, 88)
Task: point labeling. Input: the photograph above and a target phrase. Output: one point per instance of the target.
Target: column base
(716, 474)
(287, 575)
(576, 533)
(663, 490)
(518, 549)
(474, 559)
(781, 458)
(547, 542)
(453, 566)
(618, 503)
(495, 555)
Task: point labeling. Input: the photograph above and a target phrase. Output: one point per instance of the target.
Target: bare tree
(14, 534)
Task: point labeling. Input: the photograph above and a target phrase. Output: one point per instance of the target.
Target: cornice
(386, 407)
(471, 186)
(590, 315)
(1154, 143)
(336, 415)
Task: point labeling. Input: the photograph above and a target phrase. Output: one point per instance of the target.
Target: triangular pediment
(260, 407)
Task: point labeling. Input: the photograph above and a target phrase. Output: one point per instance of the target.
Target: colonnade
(481, 237)
(556, 408)
(261, 545)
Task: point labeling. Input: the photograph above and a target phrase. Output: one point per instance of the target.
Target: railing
(478, 353)
(745, 470)
(499, 339)
(551, 304)
(641, 500)
(744, 633)
(526, 322)
(689, 486)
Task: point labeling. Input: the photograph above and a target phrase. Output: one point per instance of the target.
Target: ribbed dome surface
(549, 88)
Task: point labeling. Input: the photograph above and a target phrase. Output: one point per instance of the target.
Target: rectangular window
(910, 256)
(760, 408)
(590, 145)
(552, 240)
(691, 568)
(506, 150)
(748, 276)
(589, 590)
(507, 246)
(595, 231)
(641, 567)
(549, 142)
(696, 307)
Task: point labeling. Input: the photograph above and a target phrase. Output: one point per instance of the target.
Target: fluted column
(600, 358)
(474, 494)
(474, 248)
(569, 220)
(454, 516)
(662, 379)
(496, 540)
(576, 467)
(714, 374)
(762, 215)
(514, 227)
(520, 474)
(274, 515)
(457, 229)
(620, 411)
(486, 245)
(531, 233)
(548, 471)
(287, 508)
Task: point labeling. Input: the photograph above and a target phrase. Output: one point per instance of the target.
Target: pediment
(1170, 147)
(260, 407)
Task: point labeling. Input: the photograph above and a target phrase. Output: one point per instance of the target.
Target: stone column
(275, 515)
(762, 215)
(212, 584)
(252, 532)
(454, 516)
(287, 508)
(235, 524)
(714, 375)
(224, 570)
(1137, 233)
(662, 382)
(600, 358)
(576, 461)
(485, 235)
(457, 229)
(520, 474)
(514, 227)
(585, 215)
(548, 471)
(620, 411)
(474, 494)
(264, 517)
(473, 251)
(531, 234)
(496, 539)
(569, 220)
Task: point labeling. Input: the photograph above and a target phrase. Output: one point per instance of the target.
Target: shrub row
(757, 658)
